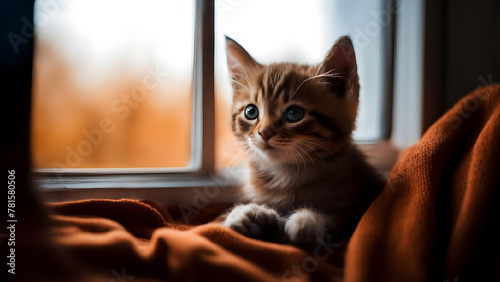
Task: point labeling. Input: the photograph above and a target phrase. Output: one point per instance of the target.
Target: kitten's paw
(252, 219)
(305, 227)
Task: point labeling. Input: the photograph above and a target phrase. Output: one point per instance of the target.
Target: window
(126, 88)
(113, 85)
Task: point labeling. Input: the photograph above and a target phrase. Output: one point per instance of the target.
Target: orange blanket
(142, 241)
(436, 219)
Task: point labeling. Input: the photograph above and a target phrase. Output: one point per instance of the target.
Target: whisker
(296, 163)
(326, 74)
(321, 158)
(323, 147)
(247, 91)
(305, 153)
(247, 78)
(240, 155)
(234, 158)
(303, 160)
(240, 145)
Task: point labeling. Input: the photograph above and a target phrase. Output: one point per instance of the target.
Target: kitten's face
(293, 113)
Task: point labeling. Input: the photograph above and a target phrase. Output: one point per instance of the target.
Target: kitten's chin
(268, 148)
(271, 153)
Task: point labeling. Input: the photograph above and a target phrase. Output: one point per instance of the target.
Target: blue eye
(251, 112)
(293, 114)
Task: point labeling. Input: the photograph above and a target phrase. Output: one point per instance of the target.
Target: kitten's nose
(266, 134)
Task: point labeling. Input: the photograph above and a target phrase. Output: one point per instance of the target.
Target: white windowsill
(172, 189)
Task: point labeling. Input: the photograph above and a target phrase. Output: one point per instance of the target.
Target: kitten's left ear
(340, 69)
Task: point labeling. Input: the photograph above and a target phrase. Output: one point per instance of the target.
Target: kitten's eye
(293, 114)
(251, 112)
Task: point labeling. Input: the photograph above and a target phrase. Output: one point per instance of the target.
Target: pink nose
(266, 134)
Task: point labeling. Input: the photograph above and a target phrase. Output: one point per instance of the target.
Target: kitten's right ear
(340, 64)
(239, 62)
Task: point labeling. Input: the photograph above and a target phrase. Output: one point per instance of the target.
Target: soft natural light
(127, 32)
(112, 85)
(92, 58)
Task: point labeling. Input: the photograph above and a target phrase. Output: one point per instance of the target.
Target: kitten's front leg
(252, 219)
(305, 227)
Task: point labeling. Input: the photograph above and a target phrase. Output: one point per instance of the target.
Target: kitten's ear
(340, 69)
(239, 62)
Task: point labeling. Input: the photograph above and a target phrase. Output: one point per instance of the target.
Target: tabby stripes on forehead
(273, 86)
(272, 80)
(282, 84)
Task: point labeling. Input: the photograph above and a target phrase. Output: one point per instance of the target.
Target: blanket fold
(145, 241)
(436, 220)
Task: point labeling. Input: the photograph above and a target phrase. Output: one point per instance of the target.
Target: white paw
(305, 227)
(251, 219)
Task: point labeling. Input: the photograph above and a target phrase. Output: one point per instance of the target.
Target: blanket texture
(144, 241)
(436, 220)
(438, 217)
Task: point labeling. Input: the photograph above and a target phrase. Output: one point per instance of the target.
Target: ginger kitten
(305, 177)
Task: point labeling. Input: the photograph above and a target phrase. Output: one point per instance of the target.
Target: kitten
(305, 178)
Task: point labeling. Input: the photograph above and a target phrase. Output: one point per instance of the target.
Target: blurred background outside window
(113, 79)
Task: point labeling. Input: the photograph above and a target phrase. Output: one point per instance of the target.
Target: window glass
(112, 84)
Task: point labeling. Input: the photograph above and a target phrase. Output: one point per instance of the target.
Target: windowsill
(163, 188)
(382, 155)
(175, 189)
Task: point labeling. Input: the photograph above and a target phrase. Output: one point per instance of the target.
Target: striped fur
(309, 167)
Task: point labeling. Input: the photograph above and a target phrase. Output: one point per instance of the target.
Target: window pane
(113, 84)
(303, 31)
